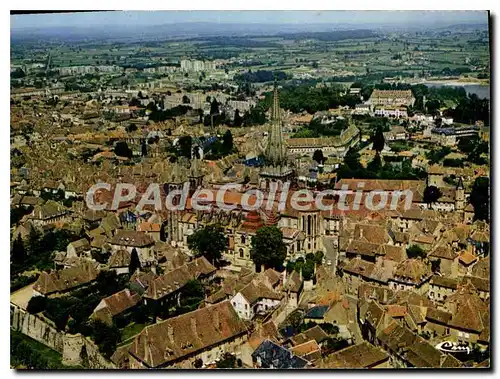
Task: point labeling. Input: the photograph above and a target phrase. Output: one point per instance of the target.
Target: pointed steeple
(276, 150)
(276, 111)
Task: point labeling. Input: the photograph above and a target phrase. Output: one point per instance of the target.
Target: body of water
(482, 92)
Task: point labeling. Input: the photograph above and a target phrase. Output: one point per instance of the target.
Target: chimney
(193, 326)
(284, 277)
(385, 296)
(170, 332)
(216, 320)
(360, 233)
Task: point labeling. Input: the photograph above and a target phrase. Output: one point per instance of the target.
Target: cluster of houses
(390, 307)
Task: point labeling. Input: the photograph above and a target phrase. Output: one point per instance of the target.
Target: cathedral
(277, 168)
(302, 231)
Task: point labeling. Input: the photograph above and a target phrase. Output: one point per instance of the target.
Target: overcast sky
(93, 19)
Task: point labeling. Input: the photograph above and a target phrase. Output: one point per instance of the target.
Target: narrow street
(331, 253)
(353, 322)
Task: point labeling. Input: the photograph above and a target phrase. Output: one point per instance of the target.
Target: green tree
(375, 165)
(105, 336)
(108, 282)
(227, 142)
(193, 288)
(135, 262)
(308, 270)
(318, 257)
(185, 146)
(415, 251)
(268, 248)
(480, 198)
(318, 156)
(18, 253)
(290, 266)
(334, 344)
(122, 149)
(238, 120)
(214, 107)
(34, 242)
(294, 319)
(210, 242)
(228, 361)
(310, 257)
(431, 195)
(378, 139)
(351, 168)
(36, 304)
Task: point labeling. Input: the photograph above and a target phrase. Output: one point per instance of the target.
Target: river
(481, 91)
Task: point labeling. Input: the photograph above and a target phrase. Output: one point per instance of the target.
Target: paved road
(331, 252)
(353, 322)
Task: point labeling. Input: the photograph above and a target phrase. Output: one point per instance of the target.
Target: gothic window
(243, 239)
(241, 253)
(309, 225)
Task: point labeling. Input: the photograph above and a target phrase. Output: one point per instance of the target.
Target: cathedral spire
(276, 164)
(276, 112)
(276, 150)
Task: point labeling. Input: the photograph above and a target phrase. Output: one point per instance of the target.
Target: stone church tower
(460, 196)
(277, 168)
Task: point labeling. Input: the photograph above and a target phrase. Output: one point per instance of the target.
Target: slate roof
(438, 316)
(468, 308)
(309, 350)
(273, 276)
(230, 287)
(171, 340)
(480, 283)
(80, 245)
(442, 251)
(116, 304)
(143, 279)
(256, 290)
(380, 294)
(482, 268)
(174, 280)
(277, 357)
(443, 281)
(131, 238)
(317, 312)
(50, 209)
(65, 279)
(314, 333)
(412, 270)
(293, 283)
(362, 355)
(120, 258)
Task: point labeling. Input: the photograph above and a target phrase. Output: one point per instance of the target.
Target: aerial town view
(250, 190)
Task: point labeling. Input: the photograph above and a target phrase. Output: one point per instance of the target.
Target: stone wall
(68, 345)
(79, 350)
(36, 328)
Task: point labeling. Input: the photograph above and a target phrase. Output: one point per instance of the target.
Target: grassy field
(23, 348)
(130, 331)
